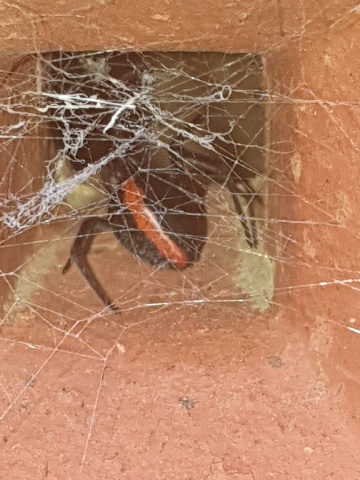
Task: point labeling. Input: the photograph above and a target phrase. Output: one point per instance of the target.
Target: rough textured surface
(162, 25)
(210, 392)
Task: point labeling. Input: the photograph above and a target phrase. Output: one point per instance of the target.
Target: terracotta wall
(27, 144)
(317, 270)
(313, 69)
(159, 25)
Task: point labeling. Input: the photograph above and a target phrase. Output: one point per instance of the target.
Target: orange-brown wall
(311, 52)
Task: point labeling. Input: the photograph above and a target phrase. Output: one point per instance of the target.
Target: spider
(160, 217)
(157, 215)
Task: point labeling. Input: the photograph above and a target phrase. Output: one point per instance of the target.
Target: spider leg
(248, 222)
(247, 219)
(79, 252)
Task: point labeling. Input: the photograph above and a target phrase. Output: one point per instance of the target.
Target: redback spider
(159, 216)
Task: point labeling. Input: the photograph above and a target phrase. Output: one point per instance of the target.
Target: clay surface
(170, 389)
(176, 391)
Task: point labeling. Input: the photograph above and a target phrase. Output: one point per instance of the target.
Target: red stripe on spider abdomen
(147, 222)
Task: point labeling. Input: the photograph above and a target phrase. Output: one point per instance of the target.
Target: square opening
(198, 115)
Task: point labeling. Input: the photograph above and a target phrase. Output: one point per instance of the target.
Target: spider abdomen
(161, 220)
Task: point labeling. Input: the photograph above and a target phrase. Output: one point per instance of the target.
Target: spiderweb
(69, 117)
(136, 113)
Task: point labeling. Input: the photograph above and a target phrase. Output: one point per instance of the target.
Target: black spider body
(158, 217)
